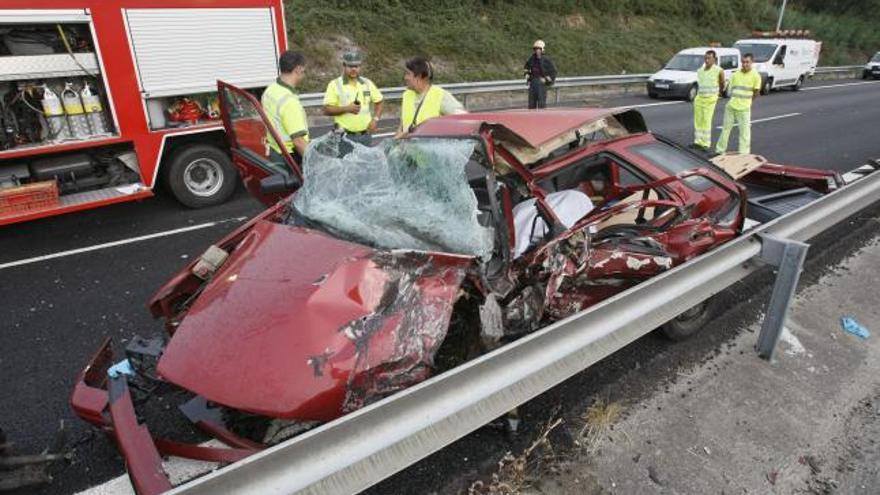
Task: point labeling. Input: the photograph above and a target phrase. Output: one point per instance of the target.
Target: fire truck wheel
(690, 322)
(201, 175)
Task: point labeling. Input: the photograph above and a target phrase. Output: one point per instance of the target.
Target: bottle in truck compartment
(73, 107)
(98, 122)
(54, 113)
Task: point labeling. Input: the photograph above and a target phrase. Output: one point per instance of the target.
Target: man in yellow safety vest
(422, 100)
(745, 84)
(710, 84)
(354, 101)
(281, 104)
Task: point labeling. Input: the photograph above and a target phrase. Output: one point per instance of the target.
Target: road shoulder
(807, 423)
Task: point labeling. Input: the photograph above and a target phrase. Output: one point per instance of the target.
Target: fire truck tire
(690, 322)
(200, 175)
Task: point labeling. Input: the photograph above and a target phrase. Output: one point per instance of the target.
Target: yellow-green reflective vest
(742, 88)
(430, 107)
(284, 110)
(707, 81)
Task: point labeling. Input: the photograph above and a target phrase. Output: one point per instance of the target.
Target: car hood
(677, 76)
(300, 325)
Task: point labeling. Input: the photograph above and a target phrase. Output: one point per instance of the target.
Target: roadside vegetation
(490, 39)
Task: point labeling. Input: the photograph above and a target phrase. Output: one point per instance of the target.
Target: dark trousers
(537, 94)
(365, 138)
(278, 160)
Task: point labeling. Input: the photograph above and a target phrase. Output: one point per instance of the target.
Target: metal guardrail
(364, 447)
(469, 88)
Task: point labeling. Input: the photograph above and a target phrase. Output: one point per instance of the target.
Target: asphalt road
(56, 306)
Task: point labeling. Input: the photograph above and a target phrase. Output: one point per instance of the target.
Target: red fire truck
(101, 99)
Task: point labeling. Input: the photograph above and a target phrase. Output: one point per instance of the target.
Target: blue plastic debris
(121, 368)
(852, 326)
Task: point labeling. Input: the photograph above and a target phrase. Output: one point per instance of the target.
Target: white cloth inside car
(569, 206)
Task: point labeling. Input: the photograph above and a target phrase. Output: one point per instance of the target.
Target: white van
(782, 62)
(678, 78)
(872, 68)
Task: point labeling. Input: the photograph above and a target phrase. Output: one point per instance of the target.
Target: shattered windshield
(403, 194)
(688, 63)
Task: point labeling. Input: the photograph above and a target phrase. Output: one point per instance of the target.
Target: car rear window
(674, 161)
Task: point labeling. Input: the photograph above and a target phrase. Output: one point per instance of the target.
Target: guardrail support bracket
(788, 258)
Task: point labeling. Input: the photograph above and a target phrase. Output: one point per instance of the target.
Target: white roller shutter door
(183, 51)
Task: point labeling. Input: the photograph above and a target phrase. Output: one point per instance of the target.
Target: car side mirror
(278, 183)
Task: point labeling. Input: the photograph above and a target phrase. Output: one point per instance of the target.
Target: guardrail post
(556, 89)
(788, 257)
(464, 100)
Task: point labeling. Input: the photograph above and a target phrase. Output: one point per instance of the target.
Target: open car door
(247, 128)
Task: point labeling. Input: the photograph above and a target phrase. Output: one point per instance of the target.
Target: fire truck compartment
(106, 98)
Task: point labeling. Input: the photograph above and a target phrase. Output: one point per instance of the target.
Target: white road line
(644, 105)
(768, 119)
(828, 86)
(121, 242)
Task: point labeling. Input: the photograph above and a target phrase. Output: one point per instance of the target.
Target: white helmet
(538, 44)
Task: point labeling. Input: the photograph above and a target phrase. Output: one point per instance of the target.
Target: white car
(678, 78)
(872, 68)
(782, 62)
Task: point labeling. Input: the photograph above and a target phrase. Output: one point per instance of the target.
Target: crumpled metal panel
(299, 325)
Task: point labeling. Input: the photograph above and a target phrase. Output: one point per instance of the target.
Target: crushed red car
(392, 263)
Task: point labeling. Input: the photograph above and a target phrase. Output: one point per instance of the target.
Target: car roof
(532, 128)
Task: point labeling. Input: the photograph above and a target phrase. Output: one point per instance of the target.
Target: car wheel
(652, 95)
(692, 93)
(766, 86)
(864, 74)
(690, 322)
(798, 84)
(200, 175)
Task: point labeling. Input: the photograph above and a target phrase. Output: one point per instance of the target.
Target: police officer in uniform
(281, 104)
(354, 101)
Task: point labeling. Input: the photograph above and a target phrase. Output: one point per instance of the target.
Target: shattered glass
(404, 194)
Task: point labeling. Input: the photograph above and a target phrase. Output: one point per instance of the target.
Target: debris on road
(852, 326)
(19, 471)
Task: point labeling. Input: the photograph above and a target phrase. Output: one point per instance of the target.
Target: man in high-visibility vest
(282, 106)
(422, 100)
(745, 84)
(354, 101)
(710, 84)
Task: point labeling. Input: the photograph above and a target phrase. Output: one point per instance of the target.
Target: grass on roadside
(490, 39)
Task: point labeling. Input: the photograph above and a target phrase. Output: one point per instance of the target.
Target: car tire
(200, 175)
(652, 95)
(798, 84)
(865, 74)
(690, 322)
(766, 86)
(692, 93)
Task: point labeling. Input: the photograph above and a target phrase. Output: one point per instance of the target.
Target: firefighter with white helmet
(540, 73)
